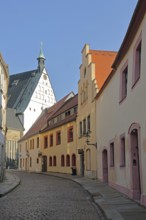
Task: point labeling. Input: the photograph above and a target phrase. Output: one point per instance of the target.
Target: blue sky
(64, 26)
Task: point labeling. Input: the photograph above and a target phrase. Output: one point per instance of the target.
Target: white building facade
(121, 115)
(29, 93)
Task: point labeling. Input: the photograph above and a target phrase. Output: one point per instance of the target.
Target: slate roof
(12, 120)
(21, 88)
(41, 122)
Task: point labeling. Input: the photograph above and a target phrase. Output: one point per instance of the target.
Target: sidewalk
(10, 182)
(113, 204)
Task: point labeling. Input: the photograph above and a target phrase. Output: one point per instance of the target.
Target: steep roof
(103, 64)
(41, 122)
(68, 104)
(21, 88)
(12, 120)
(72, 102)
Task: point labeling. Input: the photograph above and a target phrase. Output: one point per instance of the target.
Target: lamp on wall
(88, 141)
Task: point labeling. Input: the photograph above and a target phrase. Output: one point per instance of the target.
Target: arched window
(67, 160)
(54, 161)
(62, 161)
(73, 160)
(50, 161)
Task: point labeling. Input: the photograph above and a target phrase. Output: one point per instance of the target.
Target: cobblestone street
(47, 197)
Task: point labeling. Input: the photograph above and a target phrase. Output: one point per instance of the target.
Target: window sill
(122, 99)
(122, 166)
(135, 82)
(112, 166)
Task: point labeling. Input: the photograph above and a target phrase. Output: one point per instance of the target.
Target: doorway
(82, 167)
(135, 164)
(105, 165)
(44, 163)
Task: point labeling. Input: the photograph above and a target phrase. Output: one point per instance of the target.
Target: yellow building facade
(94, 70)
(50, 144)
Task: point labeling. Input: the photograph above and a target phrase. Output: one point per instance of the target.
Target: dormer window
(67, 113)
(15, 82)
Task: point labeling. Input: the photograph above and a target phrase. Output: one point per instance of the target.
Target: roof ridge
(102, 51)
(28, 71)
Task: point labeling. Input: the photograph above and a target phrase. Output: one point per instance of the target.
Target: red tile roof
(103, 61)
(48, 113)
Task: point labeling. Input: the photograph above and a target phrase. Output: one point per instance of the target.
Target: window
(37, 160)
(75, 109)
(122, 151)
(45, 142)
(67, 113)
(112, 154)
(84, 72)
(37, 142)
(123, 83)
(84, 126)
(73, 160)
(50, 161)
(54, 161)
(137, 60)
(30, 144)
(20, 163)
(88, 123)
(51, 140)
(26, 146)
(67, 160)
(58, 137)
(30, 162)
(80, 128)
(62, 161)
(70, 134)
(15, 82)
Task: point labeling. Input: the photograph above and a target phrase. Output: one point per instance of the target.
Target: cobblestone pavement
(43, 197)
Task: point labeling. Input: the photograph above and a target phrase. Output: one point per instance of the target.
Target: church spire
(41, 60)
